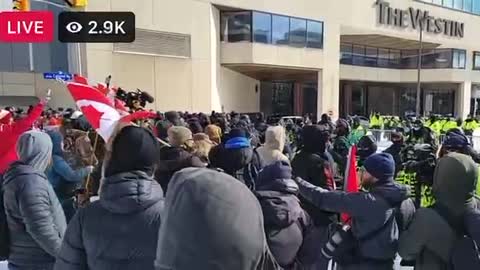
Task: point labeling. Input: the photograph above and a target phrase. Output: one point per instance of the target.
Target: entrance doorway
(288, 98)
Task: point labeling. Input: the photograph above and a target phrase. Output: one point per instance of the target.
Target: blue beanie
(456, 140)
(380, 166)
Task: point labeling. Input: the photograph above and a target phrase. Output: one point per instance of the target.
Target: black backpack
(465, 251)
(4, 232)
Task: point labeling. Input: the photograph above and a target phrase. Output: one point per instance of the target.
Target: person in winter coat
(180, 137)
(315, 165)
(63, 178)
(272, 150)
(10, 132)
(369, 211)
(214, 133)
(35, 217)
(398, 145)
(211, 221)
(286, 223)
(429, 239)
(120, 230)
(237, 158)
(172, 160)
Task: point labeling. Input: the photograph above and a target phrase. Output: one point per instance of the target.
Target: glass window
(428, 58)
(467, 5)
(236, 26)
(476, 6)
(371, 56)
(443, 58)
(383, 58)
(409, 59)
(448, 3)
(476, 60)
(280, 26)
(314, 34)
(438, 2)
(458, 59)
(395, 57)
(298, 31)
(346, 53)
(358, 55)
(262, 27)
(458, 4)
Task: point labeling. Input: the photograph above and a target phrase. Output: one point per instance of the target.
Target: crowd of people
(223, 191)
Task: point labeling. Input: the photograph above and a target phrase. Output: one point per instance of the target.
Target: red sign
(31, 26)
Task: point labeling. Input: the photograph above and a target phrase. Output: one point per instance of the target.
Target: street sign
(59, 75)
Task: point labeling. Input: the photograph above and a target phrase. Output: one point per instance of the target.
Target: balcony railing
(360, 55)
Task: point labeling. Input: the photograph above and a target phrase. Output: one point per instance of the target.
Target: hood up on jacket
(315, 138)
(454, 182)
(34, 148)
(391, 191)
(275, 138)
(204, 225)
(129, 192)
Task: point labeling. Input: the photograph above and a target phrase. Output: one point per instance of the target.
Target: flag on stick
(351, 179)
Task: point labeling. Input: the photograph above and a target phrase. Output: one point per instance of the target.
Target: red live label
(31, 26)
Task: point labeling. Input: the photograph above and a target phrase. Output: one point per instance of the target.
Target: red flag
(96, 107)
(351, 179)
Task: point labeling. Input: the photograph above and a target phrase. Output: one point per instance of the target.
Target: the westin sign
(416, 18)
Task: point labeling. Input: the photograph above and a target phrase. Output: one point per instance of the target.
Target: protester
(180, 137)
(211, 221)
(398, 145)
(202, 146)
(10, 131)
(272, 150)
(214, 132)
(341, 145)
(367, 146)
(63, 178)
(119, 231)
(370, 212)
(429, 239)
(286, 223)
(34, 215)
(237, 157)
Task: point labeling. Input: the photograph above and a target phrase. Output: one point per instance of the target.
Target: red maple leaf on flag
(93, 115)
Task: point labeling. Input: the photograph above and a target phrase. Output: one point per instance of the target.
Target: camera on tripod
(135, 100)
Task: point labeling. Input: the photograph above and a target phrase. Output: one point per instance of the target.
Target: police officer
(470, 125)
(358, 131)
(419, 134)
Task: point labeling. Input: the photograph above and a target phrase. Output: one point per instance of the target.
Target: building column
(328, 100)
(463, 99)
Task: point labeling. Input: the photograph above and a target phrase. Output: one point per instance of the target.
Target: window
(371, 54)
(458, 60)
(467, 5)
(358, 55)
(438, 2)
(476, 6)
(346, 54)
(280, 26)
(298, 32)
(476, 60)
(395, 57)
(236, 26)
(314, 34)
(262, 27)
(428, 58)
(448, 3)
(409, 59)
(383, 58)
(458, 4)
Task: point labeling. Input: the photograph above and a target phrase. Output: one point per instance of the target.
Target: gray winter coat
(34, 215)
(119, 231)
(211, 222)
(369, 212)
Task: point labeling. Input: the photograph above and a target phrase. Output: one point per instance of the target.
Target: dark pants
(37, 267)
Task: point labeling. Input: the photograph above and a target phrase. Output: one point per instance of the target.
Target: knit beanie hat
(277, 170)
(179, 136)
(380, 166)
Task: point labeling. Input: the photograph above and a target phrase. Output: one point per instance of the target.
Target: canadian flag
(96, 107)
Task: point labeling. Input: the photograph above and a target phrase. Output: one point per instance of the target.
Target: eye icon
(74, 27)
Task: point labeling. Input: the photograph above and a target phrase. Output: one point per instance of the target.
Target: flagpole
(87, 183)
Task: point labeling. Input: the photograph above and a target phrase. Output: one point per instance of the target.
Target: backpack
(4, 232)
(465, 251)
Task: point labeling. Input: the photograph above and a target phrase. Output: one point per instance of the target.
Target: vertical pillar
(463, 99)
(297, 99)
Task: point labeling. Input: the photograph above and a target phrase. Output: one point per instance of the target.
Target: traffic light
(21, 5)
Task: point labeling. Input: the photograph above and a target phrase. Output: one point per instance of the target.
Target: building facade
(344, 57)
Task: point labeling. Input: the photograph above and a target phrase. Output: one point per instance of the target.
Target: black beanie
(133, 149)
(274, 171)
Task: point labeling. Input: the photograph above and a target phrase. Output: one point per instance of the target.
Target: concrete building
(285, 57)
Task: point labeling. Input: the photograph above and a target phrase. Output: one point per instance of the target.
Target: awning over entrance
(388, 42)
(274, 73)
